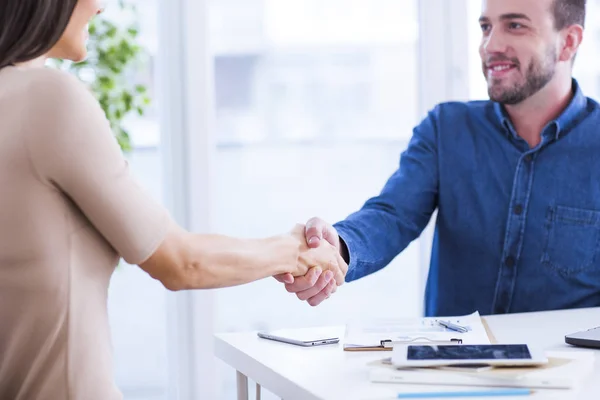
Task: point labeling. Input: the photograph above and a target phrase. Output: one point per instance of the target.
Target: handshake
(321, 266)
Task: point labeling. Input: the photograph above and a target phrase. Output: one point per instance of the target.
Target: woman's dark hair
(30, 28)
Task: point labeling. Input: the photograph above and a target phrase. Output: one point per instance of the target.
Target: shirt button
(510, 261)
(518, 210)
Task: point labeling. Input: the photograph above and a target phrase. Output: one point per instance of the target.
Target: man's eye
(485, 27)
(515, 25)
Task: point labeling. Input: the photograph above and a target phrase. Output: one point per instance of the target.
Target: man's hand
(315, 286)
(324, 256)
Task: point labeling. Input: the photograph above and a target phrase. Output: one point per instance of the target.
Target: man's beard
(538, 74)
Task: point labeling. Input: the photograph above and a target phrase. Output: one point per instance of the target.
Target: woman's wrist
(280, 253)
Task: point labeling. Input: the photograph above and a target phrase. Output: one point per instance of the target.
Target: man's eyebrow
(505, 17)
(515, 16)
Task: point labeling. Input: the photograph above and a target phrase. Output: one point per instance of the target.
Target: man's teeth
(501, 67)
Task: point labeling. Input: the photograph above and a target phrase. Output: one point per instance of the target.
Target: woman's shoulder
(56, 81)
(39, 75)
(44, 86)
(50, 102)
(51, 95)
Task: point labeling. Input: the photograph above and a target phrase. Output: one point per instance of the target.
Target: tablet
(301, 337)
(464, 354)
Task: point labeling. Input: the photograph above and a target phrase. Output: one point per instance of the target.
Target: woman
(69, 210)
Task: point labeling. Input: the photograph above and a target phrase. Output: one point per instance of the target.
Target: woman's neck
(35, 63)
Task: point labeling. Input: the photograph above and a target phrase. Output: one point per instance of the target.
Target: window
(477, 84)
(137, 304)
(587, 64)
(313, 70)
(315, 101)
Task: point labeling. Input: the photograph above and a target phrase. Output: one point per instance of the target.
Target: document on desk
(382, 334)
(564, 370)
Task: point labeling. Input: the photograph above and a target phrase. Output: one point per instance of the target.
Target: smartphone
(301, 337)
(465, 354)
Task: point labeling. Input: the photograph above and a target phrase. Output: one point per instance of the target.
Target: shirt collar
(561, 124)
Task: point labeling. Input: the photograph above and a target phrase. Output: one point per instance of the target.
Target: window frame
(444, 49)
(184, 81)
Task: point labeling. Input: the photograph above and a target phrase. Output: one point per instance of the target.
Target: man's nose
(494, 43)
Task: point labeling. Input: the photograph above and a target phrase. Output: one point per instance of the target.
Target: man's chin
(495, 94)
(505, 98)
(498, 92)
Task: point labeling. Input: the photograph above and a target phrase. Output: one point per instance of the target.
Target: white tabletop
(329, 373)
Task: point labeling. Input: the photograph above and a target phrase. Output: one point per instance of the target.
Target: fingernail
(328, 276)
(318, 271)
(313, 240)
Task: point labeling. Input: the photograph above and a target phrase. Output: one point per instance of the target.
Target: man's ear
(571, 40)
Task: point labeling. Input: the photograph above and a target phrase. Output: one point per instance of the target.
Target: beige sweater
(69, 209)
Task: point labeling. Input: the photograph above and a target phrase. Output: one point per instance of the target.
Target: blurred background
(314, 100)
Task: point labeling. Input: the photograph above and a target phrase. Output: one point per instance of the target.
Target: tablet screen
(469, 352)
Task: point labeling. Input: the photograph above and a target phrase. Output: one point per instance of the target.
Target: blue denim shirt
(517, 229)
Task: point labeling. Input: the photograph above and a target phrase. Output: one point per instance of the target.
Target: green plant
(114, 57)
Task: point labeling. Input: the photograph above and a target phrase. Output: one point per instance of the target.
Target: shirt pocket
(572, 239)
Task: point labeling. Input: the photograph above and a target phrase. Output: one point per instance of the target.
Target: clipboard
(388, 344)
(382, 335)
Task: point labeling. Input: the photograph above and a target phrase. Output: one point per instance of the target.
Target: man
(515, 180)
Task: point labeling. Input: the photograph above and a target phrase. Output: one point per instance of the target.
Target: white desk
(329, 373)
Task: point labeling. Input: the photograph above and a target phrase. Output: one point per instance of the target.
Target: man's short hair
(568, 12)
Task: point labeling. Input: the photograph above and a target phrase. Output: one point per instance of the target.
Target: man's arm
(389, 222)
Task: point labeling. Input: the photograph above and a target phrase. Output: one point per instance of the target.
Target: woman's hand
(326, 257)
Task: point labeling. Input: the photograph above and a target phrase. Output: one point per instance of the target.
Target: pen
(483, 393)
(452, 326)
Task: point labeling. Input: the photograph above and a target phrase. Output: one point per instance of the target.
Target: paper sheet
(565, 369)
(371, 333)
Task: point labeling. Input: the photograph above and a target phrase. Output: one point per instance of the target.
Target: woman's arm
(73, 150)
(192, 261)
